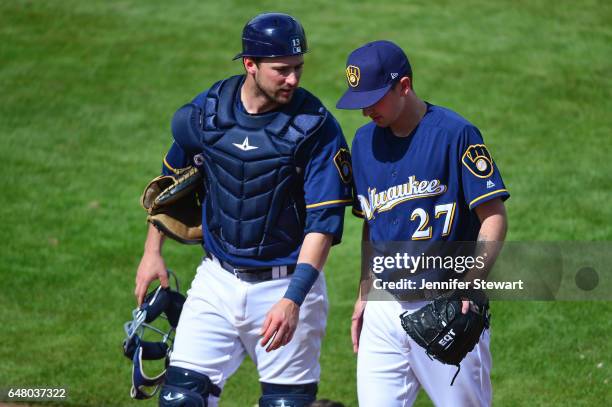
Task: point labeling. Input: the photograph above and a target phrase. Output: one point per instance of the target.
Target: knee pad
(283, 395)
(186, 388)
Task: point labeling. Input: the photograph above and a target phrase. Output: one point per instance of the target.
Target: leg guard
(186, 388)
(282, 395)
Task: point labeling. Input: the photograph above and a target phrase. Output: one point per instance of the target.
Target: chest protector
(254, 204)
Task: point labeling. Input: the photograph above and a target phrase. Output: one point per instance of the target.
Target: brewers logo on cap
(353, 74)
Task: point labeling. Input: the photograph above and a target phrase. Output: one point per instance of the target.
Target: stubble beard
(270, 97)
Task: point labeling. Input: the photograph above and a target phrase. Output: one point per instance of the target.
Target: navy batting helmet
(273, 35)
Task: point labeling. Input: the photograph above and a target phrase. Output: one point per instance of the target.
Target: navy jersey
(327, 187)
(424, 186)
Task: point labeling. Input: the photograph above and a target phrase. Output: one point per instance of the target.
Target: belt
(254, 274)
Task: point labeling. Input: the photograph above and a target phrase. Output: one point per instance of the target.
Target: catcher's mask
(163, 302)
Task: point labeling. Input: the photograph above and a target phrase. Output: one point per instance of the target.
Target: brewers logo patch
(478, 160)
(352, 75)
(342, 160)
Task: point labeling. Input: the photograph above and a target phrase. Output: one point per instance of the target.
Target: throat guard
(254, 203)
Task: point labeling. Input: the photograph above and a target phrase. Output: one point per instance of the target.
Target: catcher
(276, 177)
(422, 173)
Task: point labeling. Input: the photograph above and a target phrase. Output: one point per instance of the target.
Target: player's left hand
(357, 323)
(280, 324)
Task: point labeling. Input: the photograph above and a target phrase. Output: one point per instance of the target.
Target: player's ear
(406, 84)
(250, 65)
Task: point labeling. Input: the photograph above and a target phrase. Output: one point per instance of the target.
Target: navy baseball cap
(371, 70)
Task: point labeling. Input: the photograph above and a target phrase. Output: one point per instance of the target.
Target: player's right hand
(280, 324)
(151, 267)
(357, 322)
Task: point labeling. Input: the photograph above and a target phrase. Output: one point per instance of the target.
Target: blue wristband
(302, 281)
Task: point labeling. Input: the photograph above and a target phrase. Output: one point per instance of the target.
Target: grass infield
(88, 89)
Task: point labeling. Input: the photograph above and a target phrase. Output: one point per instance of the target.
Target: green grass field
(88, 89)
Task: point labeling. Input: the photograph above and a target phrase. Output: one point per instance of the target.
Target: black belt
(254, 274)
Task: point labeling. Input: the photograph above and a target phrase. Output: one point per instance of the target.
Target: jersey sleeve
(328, 220)
(328, 172)
(480, 177)
(327, 180)
(176, 158)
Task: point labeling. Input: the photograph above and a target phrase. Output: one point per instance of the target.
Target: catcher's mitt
(174, 205)
(444, 332)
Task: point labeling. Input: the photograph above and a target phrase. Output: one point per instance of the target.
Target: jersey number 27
(424, 230)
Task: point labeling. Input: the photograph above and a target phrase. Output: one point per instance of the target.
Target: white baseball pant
(221, 321)
(391, 367)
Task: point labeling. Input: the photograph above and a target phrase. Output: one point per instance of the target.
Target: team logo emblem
(478, 160)
(170, 396)
(342, 160)
(352, 75)
(245, 145)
